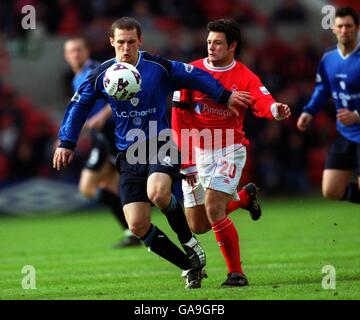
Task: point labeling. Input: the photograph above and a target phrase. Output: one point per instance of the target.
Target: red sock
(228, 241)
(243, 203)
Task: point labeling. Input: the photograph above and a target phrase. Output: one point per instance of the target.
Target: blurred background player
(99, 178)
(219, 164)
(338, 76)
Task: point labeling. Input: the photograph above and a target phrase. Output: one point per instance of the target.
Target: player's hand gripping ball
(122, 81)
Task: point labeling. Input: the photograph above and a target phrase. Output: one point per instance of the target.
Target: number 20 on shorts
(228, 169)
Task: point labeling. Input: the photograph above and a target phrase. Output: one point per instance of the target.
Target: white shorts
(193, 195)
(218, 170)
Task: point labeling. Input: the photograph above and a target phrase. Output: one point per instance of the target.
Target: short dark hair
(230, 28)
(347, 11)
(79, 37)
(126, 23)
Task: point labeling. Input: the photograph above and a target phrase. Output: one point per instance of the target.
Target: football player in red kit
(213, 144)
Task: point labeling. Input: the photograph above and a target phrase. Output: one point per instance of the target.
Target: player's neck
(78, 68)
(347, 49)
(220, 63)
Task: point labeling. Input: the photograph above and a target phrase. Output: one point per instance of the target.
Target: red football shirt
(194, 109)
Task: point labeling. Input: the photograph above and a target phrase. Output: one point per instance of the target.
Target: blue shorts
(343, 155)
(133, 182)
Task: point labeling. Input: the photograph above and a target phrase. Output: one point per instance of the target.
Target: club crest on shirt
(188, 67)
(76, 97)
(134, 101)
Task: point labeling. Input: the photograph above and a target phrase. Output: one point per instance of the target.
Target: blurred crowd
(281, 159)
(26, 137)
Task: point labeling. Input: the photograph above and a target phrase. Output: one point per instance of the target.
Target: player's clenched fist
(283, 110)
(62, 158)
(304, 121)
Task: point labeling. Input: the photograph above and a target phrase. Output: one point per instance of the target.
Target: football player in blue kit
(99, 178)
(150, 182)
(338, 76)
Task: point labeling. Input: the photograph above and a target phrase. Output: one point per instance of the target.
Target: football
(122, 81)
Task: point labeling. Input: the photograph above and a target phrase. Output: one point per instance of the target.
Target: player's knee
(87, 191)
(333, 193)
(138, 229)
(199, 228)
(159, 198)
(214, 210)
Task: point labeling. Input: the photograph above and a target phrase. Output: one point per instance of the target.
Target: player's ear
(233, 46)
(141, 39)
(333, 29)
(111, 39)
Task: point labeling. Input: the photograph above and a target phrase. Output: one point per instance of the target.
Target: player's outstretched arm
(62, 158)
(238, 100)
(304, 121)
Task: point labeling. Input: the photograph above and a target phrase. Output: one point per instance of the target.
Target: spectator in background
(188, 13)
(355, 4)
(70, 22)
(97, 36)
(25, 136)
(217, 9)
(273, 60)
(289, 11)
(295, 164)
(4, 59)
(11, 129)
(268, 154)
(245, 13)
(141, 12)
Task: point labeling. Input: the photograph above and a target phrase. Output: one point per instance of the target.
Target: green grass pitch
(282, 254)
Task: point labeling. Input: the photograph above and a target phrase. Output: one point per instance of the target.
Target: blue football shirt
(160, 77)
(338, 77)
